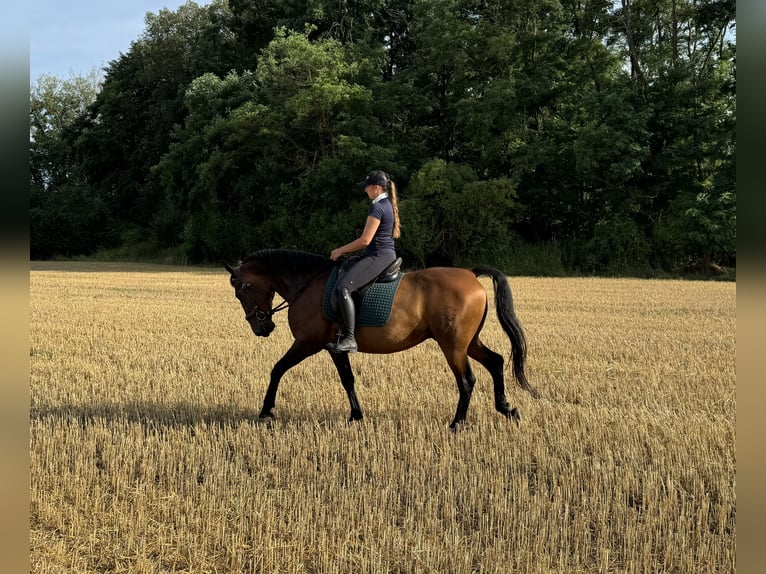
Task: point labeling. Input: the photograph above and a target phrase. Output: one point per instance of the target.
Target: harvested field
(146, 455)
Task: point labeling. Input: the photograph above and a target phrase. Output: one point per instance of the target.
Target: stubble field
(146, 455)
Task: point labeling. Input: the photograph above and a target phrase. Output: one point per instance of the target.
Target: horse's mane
(285, 261)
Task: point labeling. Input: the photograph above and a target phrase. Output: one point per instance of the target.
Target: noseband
(254, 311)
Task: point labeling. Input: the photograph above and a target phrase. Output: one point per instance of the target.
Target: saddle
(373, 301)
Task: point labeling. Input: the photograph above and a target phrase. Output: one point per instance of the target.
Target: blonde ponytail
(394, 202)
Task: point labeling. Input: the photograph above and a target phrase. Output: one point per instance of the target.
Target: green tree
(274, 152)
(605, 130)
(682, 58)
(130, 125)
(698, 230)
(450, 216)
(66, 216)
(55, 105)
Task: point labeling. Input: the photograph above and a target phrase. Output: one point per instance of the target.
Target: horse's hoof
(456, 426)
(354, 417)
(503, 408)
(515, 415)
(266, 417)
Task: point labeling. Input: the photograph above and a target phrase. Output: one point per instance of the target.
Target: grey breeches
(364, 271)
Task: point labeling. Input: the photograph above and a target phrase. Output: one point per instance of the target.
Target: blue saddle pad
(376, 305)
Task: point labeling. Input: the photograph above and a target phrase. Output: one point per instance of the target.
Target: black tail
(510, 324)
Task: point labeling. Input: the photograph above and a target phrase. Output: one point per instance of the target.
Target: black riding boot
(346, 341)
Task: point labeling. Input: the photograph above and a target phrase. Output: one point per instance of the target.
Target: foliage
(602, 132)
(67, 217)
(617, 247)
(451, 217)
(699, 224)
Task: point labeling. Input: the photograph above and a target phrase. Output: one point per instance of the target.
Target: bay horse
(446, 304)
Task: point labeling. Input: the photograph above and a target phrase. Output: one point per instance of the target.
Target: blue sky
(69, 37)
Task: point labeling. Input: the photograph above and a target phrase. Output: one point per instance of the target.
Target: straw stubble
(147, 456)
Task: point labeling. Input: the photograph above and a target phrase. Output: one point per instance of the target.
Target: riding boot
(346, 341)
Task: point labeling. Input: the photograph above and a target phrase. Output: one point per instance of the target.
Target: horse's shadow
(157, 417)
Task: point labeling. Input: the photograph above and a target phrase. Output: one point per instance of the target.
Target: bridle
(261, 315)
(254, 311)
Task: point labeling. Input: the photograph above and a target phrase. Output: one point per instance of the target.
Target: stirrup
(345, 344)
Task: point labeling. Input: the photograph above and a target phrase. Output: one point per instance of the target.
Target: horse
(447, 304)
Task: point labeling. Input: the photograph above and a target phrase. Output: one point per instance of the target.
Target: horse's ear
(228, 268)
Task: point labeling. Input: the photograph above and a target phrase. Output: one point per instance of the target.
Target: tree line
(541, 136)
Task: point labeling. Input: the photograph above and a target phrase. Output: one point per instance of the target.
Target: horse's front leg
(347, 380)
(295, 354)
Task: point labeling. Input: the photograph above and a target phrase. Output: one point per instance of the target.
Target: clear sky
(72, 37)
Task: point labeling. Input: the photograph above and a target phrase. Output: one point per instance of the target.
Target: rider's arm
(370, 227)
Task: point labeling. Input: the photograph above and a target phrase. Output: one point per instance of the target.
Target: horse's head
(256, 295)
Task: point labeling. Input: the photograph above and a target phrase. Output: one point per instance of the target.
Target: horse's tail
(510, 323)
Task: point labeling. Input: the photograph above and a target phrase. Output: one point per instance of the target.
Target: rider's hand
(336, 253)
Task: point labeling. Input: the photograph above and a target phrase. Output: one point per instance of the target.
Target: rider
(377, 240)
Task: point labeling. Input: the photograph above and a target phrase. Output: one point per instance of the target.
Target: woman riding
(377, 240)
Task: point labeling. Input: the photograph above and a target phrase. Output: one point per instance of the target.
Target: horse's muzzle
(262, 328)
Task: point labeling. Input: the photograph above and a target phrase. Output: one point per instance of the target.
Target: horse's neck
(288, 286)
(285, 285)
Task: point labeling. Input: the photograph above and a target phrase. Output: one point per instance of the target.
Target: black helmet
(377, 177)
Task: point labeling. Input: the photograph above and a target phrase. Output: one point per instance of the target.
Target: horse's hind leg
(494, 363)
(347, 380)
(465, 382)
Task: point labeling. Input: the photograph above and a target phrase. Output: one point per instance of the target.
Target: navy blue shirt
(383, 240)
